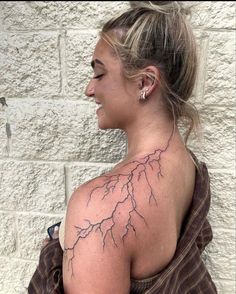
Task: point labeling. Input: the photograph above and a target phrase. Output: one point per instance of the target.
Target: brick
(225, 286)
(32, 230)
(1, 17)
(56, 14)
(215, 83)
(3, 135)
(217, 145)
(61, 130)
(219, 132)
(7, 234)
(32, 186)
(80, 173)
(222, 211)
(79, 49)
(15, 275)
(29, 64)
(214, 14)
(220, 69)
(219, 255)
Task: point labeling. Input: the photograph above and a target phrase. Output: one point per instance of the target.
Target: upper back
(130, 217)
(155, 193)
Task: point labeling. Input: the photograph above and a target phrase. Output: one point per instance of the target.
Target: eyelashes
(98, 76)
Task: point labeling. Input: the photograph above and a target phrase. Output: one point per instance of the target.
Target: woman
(131, 229)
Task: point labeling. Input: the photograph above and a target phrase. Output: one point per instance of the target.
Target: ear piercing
(143, 95)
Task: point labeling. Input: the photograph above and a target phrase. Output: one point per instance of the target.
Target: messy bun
(158, 33)
(165, 6)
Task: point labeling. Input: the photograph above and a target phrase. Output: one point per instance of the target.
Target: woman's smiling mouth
(98, 106)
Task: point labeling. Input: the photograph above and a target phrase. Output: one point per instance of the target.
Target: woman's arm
(97, 256)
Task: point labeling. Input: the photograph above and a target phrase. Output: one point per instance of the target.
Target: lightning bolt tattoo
(134, 174)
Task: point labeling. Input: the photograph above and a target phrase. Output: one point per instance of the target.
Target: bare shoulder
(104, 206)
(128, 214)
(94, 239)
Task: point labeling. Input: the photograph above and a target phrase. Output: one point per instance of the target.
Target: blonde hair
(158, 33)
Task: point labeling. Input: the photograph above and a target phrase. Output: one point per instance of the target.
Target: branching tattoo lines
(127, 184)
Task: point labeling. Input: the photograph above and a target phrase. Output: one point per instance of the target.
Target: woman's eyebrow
(93, 62)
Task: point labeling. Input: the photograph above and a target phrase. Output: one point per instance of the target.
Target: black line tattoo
(124, 184)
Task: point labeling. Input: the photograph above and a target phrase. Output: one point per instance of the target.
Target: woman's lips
(99, 106)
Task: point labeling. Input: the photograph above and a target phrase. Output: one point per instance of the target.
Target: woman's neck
(147, 136)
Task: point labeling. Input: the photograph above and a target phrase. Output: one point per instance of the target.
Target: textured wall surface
(49, 141)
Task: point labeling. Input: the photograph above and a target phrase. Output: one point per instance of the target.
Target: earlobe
(143, 95)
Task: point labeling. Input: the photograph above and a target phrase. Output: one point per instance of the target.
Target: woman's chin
(105, 125)
(102, 125)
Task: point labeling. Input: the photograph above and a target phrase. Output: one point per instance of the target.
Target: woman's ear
(150, 79)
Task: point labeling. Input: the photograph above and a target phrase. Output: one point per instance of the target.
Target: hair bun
(164, 6)
(140, 3)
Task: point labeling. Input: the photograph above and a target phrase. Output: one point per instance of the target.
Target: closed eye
(98, 76)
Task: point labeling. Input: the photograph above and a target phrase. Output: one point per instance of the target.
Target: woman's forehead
(103, 54)
(102, 47)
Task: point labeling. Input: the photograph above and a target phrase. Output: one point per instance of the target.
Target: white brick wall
(53, 144)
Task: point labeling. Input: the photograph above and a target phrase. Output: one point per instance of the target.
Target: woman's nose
(89, 91)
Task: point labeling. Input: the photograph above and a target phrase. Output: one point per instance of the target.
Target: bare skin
(125, 224)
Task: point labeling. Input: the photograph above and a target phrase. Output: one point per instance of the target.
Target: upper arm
(96, 259)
